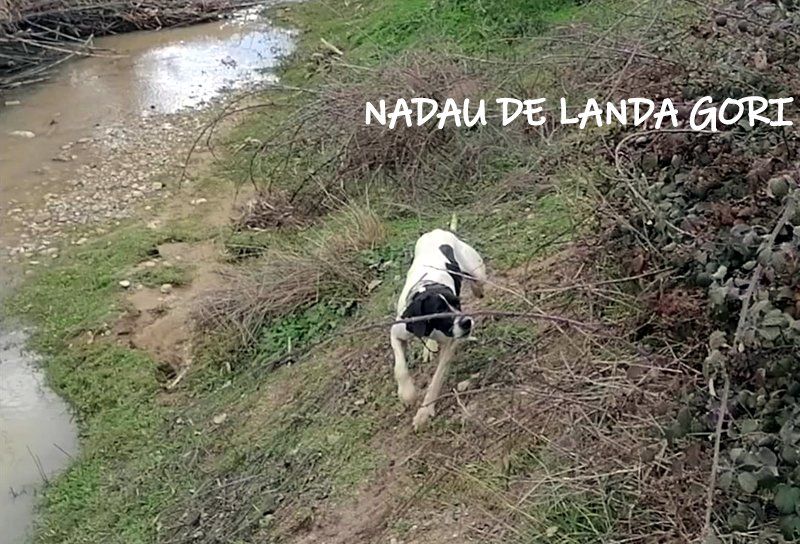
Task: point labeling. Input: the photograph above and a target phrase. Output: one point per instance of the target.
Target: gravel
(118, 170)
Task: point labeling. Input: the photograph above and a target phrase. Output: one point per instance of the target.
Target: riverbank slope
(233, 377)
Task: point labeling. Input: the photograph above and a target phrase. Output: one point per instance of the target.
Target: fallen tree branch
(539, 316)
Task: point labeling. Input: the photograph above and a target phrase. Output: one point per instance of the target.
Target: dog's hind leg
(427, 410)
(405, 384)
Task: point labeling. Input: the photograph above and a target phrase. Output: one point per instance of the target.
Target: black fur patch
(434, 299)
(452, 266)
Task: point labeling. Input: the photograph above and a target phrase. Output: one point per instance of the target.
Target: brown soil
(159, 322)
(360, 520)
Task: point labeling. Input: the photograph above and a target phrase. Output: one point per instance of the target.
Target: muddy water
(37, 434)
(140, 74)
(152, 74)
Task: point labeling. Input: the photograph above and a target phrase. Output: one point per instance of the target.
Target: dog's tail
(453, 222)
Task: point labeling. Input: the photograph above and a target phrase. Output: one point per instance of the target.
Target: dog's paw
(407, 392)
(422, 417)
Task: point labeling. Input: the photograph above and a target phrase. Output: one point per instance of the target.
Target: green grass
(297, 330)
(174, 275)
(132, 466)
(514, 233)
(81, 290)
(485, 26)
(116, 486)
(378, 28)
(113, 486)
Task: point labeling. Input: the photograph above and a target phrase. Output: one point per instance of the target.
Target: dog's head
(437, 299)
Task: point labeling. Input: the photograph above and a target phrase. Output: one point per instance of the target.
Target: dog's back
(441, 257)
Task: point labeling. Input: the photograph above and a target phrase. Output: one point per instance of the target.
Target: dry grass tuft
(283, 282)
(404, 150)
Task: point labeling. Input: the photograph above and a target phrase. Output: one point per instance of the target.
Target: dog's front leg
(405, 384)
(427, 410)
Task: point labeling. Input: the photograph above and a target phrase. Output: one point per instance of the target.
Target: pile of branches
(324, 144)
(37, 35)
(723, 210)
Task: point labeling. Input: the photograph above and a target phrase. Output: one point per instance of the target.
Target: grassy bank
(286, 428)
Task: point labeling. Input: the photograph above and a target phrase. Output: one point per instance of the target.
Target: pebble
(12, 102)
(125, 284)
(22, 134)
(463, 386)
(220, 418)
(166, 289)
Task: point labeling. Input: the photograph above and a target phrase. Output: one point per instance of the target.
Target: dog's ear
(417, 309)
(428, 303)
(439, 303)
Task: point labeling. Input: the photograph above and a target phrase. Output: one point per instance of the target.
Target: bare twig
(538, 316)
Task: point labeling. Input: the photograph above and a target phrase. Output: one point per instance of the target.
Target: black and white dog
(442, 264)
